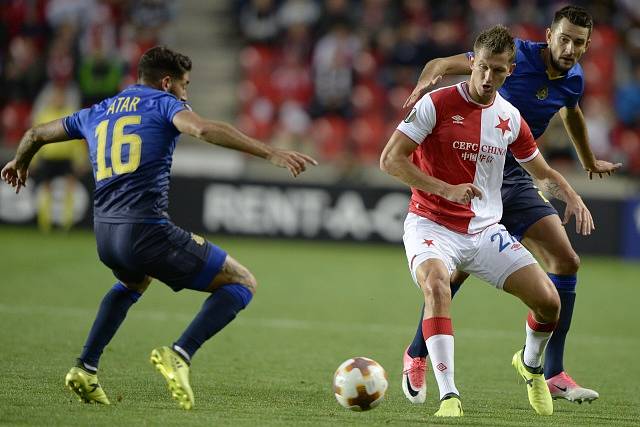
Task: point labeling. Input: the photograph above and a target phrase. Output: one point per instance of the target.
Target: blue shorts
(163, 251)
(523, 205)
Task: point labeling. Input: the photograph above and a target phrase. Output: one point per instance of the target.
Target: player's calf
(231, 291)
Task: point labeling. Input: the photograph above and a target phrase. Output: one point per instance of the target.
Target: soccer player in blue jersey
(547, 79)
(131, 139)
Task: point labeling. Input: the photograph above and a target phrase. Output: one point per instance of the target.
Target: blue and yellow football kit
(538, 98)
(131, 139)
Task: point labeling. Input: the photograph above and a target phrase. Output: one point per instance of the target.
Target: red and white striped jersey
(461, 141)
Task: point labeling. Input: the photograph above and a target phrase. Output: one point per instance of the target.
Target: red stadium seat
(331, 135)
(258, 119)
(369, 135)
(599, 63)
(256, 60)
(368, 96)
(397, 96)
(292, 82)
(627, 141)
(15, 119)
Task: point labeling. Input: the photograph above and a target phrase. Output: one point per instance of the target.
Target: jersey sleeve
(420, 121)
(524, 147)
(73, 124)
(170, 106)
(574, 98)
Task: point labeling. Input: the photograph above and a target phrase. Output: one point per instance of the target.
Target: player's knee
(435, 287)
(252, 283)
(233, 272)
(573, 263)
(246, 279)
(568, 263)
(549, 305)
(139, 287)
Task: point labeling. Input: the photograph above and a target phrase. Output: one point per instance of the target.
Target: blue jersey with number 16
(131, 139)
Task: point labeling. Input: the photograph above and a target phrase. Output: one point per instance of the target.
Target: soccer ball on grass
(360, 384)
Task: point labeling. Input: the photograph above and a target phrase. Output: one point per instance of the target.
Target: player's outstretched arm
(16, 172)
(225, 135)
(433, 72)
(555, 184)
(576, 126)
(395, 161)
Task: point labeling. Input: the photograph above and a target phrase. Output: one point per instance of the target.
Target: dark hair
(160, 61)
(496, 39)
(576, 15)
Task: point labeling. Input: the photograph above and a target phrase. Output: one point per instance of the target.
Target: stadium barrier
(306, 211)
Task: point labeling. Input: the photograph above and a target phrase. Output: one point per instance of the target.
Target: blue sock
(566, 286)
(418, 347)
(111, 313)
(220, 308)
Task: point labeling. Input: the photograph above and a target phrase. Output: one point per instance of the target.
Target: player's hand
(602, 166)
(14, 176)
(462, 193)
(584, 220)
(420, 89)
(292, 160)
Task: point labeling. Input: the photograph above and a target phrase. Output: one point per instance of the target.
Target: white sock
(534, 346)
(182, 352)
(441, 354)
(90, 368)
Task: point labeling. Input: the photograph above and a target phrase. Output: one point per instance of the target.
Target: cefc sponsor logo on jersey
(476, 152)
(466, 146)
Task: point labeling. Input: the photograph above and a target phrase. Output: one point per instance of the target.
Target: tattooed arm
(554, 183)
(15, 172)
(551, 187)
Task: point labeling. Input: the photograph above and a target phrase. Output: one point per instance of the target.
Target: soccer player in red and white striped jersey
(450, 149)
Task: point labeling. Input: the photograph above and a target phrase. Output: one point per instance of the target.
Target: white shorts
(491, 255)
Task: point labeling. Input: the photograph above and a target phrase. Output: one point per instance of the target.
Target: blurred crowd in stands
(330, 77)
(58, 56)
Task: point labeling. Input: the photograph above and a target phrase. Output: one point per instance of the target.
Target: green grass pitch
(317, 305)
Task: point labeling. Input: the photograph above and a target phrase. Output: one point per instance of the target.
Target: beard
(556, 65)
